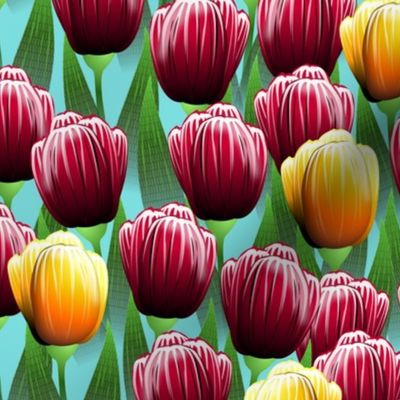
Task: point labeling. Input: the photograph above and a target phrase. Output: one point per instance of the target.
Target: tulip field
(199, 199)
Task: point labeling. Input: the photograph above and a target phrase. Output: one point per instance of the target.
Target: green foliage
(20, 387)
(237, 389)
(46, 224)
(268, 230)
(209, 331)
(306, 255)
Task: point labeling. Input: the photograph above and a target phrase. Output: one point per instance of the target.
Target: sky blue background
(117, 79)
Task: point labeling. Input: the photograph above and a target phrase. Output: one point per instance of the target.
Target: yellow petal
(319, 383)
(252, 391)
(381, 52)
(335, 393)
(64, 237)
(285, 366)
(66, 298)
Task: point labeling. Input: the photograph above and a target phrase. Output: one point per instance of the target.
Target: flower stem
(98, 77)
(61, 354)
(256, 366)
(190, 108)
(94, 234)
(160, 325)
(9, 190)
(335, 257)
(3, 321)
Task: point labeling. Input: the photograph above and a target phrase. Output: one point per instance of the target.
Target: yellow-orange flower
(371, 44)
(331, 186)
(60, 288)
(290, 380)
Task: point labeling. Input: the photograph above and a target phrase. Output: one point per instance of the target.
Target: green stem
(190, 108)
(160, 325)
(391, 108)
(98, 77)
(3, 321)
(61, 355)
(9, 190)
(94, 234)
(335, 257)
(256, 366)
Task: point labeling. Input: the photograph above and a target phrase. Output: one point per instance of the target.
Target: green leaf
(381, 274)
(209, 331)
(157, 179)
(129, 117)
(393, 234)
(38, 366)
(268, 230)
(306, 361)
(35, 53)
(237, 389)
(105, 381)
(335, 76)
(76, 90)
(368, 133)
(306, 255)
(356, 261)
(253, 86)
(20, 387)
(134, 344)
(283, 217)
(46, 224)
(118, 285)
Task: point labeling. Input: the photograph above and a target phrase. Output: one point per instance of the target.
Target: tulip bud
(182, 368)
(168, 260)
(301, 106)
(80, 169)
(60, 288)
(297, 32)
(371, 45)
(269, 301)
(26, 114)
(14, 236)
(196, 47)
(220, 162)
(332, 186)
(98, 28)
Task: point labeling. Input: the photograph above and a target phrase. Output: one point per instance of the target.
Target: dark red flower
(269, 301)
(168, 260)
(301, 106)
(26, 112)
(80, 169)
(346, 305)
(196, 47)
(395, 153)
(365, 368)
(297, 32)
(179, 368)
(14, 236)
(98, 27)
(220, 162)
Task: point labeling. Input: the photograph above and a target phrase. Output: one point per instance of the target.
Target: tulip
(168, 260)
(196, 47)
(395, 153)
(297, 32)
(220, 162)
(365, 368)
(26, 113)
(182, 368)
(332, 186)
(371, 44)
(93, 28)
(14, 236)
(290, 380)
(301, 106)
(80, 169)
(269, 301)
(346, 305)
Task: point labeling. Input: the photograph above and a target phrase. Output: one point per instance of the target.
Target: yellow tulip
(290, 380)
(60, 288)
(371, 44)
(331, 186)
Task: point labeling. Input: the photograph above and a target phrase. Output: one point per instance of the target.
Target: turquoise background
(117, 79)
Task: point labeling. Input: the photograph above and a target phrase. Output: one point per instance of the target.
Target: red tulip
(346, 304)
(26, 112)
(301, 106)
(364, 368)
(297, 32)
(269, 301)
(168, 260)
(395, 153)
(80, 170)
(179, 368)
(95, 27)
(14, 236)
(220, 162)
(196, 47)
